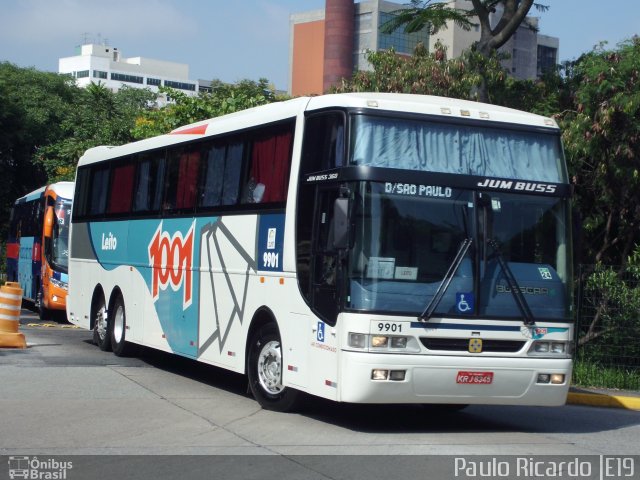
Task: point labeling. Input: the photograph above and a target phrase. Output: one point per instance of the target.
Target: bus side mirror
(341, 223)
(49, 218)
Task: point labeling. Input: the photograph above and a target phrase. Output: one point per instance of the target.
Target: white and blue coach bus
(366, 248)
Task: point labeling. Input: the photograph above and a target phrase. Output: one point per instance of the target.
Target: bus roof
(273, 112)
(431, 105)
(62, 189)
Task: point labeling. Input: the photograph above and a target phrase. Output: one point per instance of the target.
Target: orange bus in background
(38, 246)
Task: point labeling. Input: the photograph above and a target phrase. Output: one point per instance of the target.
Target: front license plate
(475, 378)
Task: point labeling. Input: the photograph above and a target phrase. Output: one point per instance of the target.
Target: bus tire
(118, 329)
(43, 312)
(101, 324)
(264, 371)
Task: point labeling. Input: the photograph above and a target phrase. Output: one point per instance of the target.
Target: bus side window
(149, 182)
(221, 174)
(268, 178)
(121, 189)
(98, 192)
(81, 196)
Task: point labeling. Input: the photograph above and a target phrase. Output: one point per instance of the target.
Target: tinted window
(181, 180)
(149, 182)
(268, 178)
(221, 174)
(98, 191)
(322, 149)
(121, 189)
(81, 196)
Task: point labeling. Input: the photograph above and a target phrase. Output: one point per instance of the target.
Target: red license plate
(475, 378)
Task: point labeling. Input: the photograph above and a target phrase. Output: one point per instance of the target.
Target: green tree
(183, 109)
(434, 15)
(601, 128)
(432, 73)
(99, 117)
(33, 105)
(430, 14)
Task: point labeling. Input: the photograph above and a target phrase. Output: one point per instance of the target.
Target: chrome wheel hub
(118, 324)
(270, 368)
(101, 323)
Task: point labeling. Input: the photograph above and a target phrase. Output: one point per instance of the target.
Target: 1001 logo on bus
(171, 260)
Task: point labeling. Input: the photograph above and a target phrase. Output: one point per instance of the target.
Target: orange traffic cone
(10, 303)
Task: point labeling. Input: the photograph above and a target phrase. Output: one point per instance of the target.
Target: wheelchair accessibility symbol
(320, 334)
(464, 302)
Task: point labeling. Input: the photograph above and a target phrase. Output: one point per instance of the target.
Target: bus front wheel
(265, 371)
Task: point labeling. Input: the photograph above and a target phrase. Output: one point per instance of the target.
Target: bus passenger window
(221, 175)
(188, 180)
(148, 190)
(99, 187)
(121, 189)
(270, 165)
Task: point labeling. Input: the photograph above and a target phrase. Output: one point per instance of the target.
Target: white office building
(102, 63)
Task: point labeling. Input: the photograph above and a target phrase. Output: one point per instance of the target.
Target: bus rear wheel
(100, 325)
(265, 371)
(118, 330)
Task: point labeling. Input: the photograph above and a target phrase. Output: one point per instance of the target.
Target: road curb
(604, 400)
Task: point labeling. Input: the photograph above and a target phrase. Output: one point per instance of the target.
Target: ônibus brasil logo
(171, 259)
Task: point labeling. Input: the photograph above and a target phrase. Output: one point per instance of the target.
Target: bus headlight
(550, 348)
(357, 340)
(398, 342)
(378, 343)
(541, 347)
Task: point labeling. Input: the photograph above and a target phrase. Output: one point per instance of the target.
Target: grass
(591, 374)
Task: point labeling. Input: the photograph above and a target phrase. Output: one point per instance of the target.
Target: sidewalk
(604, 398)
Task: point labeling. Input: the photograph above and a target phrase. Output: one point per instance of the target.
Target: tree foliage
(430, 14)
(224, 98)
(99, 117)
(432, 73)
(434, 15)
(602, 140)
(33, 104)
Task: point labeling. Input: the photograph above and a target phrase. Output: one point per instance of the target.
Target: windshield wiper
(513, 285)
(446, 280)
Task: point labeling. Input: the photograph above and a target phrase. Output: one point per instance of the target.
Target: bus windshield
(455, 148)
(60, 250)
(405, 242)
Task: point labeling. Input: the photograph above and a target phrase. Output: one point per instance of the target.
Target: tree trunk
(493, 38)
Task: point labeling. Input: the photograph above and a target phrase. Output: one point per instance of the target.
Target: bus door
(325, 276)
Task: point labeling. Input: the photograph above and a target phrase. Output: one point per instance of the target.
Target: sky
(233, 40)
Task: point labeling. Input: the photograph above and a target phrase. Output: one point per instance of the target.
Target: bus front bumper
(448, 379)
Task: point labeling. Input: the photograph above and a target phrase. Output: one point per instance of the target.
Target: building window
(546, 59)
(180, 85)
(99, 74)
(400, 41)
(156, 82)
(121, 77)
(82, 74)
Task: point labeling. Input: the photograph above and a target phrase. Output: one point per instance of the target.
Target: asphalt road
(63, 396)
